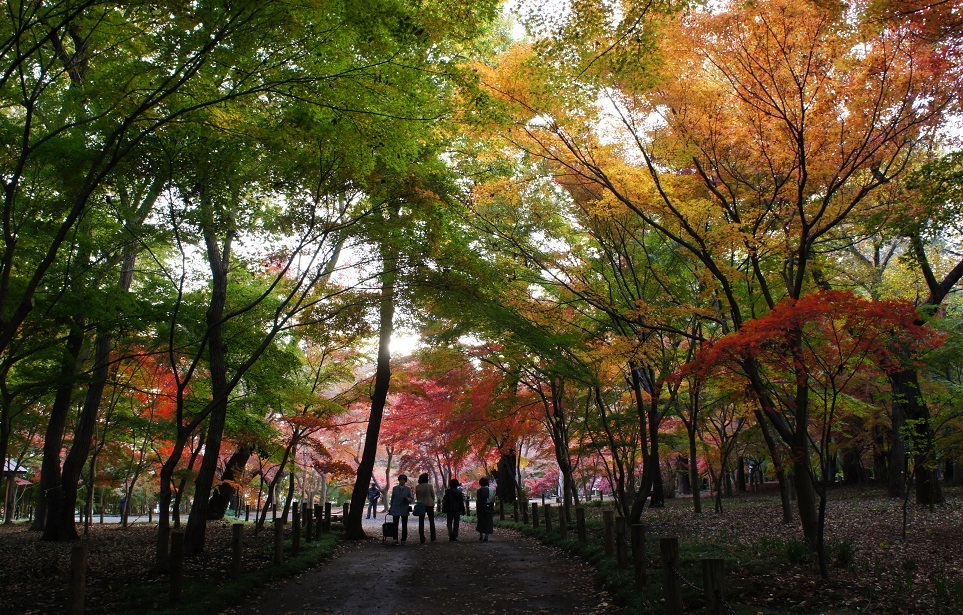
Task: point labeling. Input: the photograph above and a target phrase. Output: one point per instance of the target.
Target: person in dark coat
(374, 494)
(486, 511)
(453, 505)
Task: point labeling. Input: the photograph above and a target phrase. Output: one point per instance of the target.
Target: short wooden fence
(626, 543)
(306, 520)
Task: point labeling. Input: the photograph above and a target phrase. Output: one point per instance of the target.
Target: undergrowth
(202, 598)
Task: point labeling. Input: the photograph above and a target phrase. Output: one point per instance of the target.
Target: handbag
(420, 509)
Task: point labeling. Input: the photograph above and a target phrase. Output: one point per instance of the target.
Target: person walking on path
(486, 511)
(374, 494)
(425, 505)
(400, 506)
(453, 505)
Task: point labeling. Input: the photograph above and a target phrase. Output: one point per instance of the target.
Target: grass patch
(949, 593)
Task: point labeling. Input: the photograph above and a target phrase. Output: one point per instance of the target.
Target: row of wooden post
(313, 521)
(616, 538)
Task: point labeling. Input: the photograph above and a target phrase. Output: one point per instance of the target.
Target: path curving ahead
(508, 574)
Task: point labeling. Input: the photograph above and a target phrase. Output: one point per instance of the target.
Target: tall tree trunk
(619, 477)
(908, 399)
(219, 259)
(638, 504)
(165, 498)
(353, 524)
(60, 522)
(62, 503)
(6, 415)
(290, 495)
(506, 476)
(806, 497)
(779, 469)
(557, 420)
(906, 388)
(50, 479)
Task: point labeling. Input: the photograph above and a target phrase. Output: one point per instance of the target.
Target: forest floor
(874, 567)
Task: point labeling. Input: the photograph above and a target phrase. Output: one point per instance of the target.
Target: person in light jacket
(453, 505)
(400, 506)
(486, 511)
(425, 495)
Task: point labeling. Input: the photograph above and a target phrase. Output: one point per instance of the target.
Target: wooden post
(326, 527)
(548, 517)
(543, 498)
(524, 507)
(78, 579)
(608, 531)
(237, 531)
(467, 505)
(515, 510)
(534, 514)
(278, 542)
(344, 514)
(669, 548)
(247, 512)
(580, 525)
(296, 530)
(308, 524)
(562, 522)
(177, 565)
(638, 553)
(713, 584)
(318, 519)
(501, 509)
(620, 550)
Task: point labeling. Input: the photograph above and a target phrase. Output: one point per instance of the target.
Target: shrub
(843, 553)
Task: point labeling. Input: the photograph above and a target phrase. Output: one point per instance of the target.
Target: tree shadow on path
(508, 574)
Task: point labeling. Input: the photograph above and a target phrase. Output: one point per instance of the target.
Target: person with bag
(400, 506)
(453, 505)
(485, 514)
(425, 505)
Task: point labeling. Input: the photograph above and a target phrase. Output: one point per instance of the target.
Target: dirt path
(508, 574)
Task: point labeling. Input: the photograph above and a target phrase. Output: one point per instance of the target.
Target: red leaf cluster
(821, 332)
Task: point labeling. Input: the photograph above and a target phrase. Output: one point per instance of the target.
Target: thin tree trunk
(353, 524)
(694, 470)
